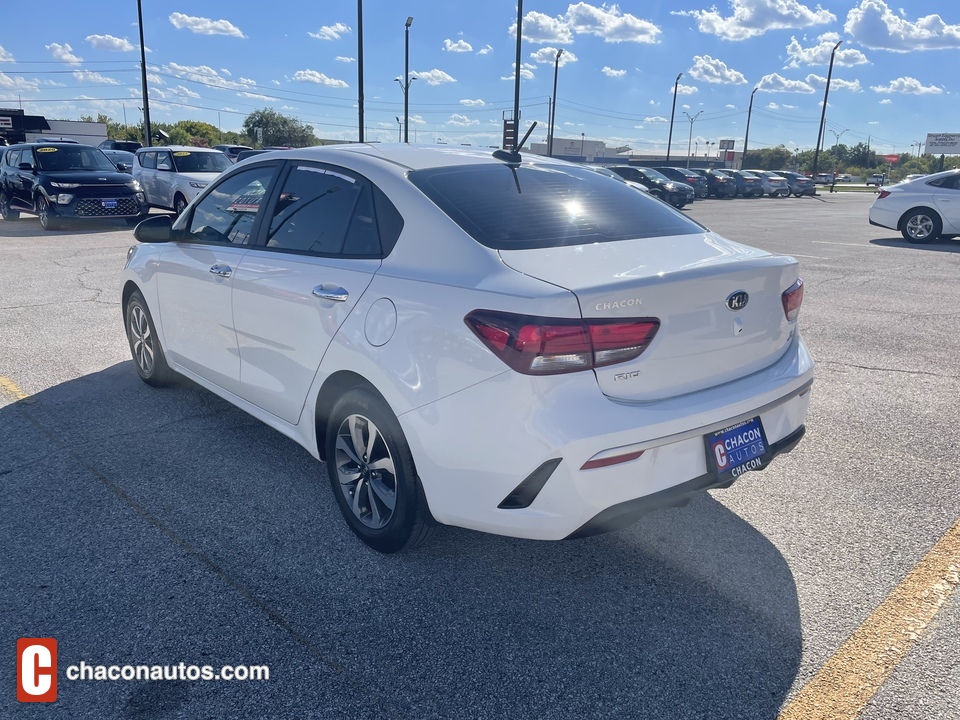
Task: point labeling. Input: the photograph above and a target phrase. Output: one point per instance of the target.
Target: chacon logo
(737, 300)
(629, 302)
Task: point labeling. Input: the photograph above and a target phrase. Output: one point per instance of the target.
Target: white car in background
(516, 345)
(173, 175)
(921, 209)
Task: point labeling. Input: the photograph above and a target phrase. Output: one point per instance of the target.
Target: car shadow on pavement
(29, 226)
(938, 245)
(152, 526)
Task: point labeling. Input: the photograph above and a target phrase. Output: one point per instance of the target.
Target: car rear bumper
(882, 217)
(524, 475)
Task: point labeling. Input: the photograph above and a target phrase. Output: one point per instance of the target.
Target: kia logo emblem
(737, 300)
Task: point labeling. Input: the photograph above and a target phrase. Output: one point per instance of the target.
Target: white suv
(172, 176)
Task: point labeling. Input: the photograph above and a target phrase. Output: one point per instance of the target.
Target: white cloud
(458, 46)
(873, 122)
(5, 56)
(202, 74)
(95, 77)
(728, 106)
(185, 92)
(526, 72)
(247, 81)
(319, 78)
(434, 77)
(255, 96)
(788, 107)
(772, 106)
(461, 121)
(417, 120)
(473, 103)
(707, 69)
(605, 21)
(109, 42)
(610, 72)
(205, 26)
(18, 83)
(685, 89)
(751, 18)
(686, 107)
(610, 24)
(547, 55)
(819, 54)
(485, 50)
(155, 79)
(886, 101)
(341, 58)
(63, 53)
(907, 86)
(774, 82)
(655, 119)
(874, 24)
(331, 32)
(835, 83)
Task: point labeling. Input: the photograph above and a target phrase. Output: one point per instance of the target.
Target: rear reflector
(550, 346)
(613, 460)
(792, 299)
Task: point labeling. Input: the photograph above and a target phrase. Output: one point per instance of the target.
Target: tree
(278, 129)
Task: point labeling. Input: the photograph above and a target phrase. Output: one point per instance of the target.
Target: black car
(677, 194)
(61, 181)
(748, 184)
(130, 146)
(719, 184)
(688, 176)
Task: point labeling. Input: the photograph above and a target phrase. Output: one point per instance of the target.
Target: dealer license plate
(738, 449)
(109, 204)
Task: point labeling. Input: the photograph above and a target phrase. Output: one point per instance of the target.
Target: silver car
(773, 185)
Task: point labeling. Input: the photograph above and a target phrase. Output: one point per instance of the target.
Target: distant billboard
(943, 144)
(891, 158)
(726, 144)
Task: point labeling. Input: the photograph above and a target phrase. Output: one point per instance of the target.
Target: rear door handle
(222, 270)
(331, 292)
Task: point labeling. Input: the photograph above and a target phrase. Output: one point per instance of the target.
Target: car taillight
(792, 299)
(883, 194)
(551, 346)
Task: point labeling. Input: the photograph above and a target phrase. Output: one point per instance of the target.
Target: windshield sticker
(46, 149)
(181, 153)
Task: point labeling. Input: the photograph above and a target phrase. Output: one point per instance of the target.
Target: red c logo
(36, 669)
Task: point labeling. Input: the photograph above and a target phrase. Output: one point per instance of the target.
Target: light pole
(143, 81)
(746, 136)
(406, 80)
(399, 129)
(673, 110)
(823, 112)
(919, 146)
(360, 66)
(553, 114)
(690, 139)
(709, 143)
(838, 135)
(582, 135)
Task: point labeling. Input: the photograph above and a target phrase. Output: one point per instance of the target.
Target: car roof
(178, 148)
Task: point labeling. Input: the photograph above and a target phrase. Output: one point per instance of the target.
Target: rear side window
(148, 160)
(539, 206)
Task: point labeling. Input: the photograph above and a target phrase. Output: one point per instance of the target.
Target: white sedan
(512, 344)
(921, 209)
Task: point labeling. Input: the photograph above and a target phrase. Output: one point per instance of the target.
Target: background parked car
(921, 209)
(65, 181)
(774, 185)
(748, 184)
(877, 179)
(611, 174)
(232, 151)
(798, 183)
(677, 194)
(172, 176)
(121, 158)
(688, 176)
(720, 185)
(130, 146)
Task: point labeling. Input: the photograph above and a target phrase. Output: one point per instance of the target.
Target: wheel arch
(332, 389)
(924, 208)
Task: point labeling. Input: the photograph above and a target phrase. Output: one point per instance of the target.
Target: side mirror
(123, 167)
(24, 166)
(155, 229)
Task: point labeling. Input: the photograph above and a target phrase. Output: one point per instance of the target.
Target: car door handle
(334, 293)
(222, 270)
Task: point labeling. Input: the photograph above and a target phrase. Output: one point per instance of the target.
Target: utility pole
(516, 78)
(406, 81)
(360, 66)
(553, 113)
(143, 80)
(823, 113)
(673, 110)
(746, 137)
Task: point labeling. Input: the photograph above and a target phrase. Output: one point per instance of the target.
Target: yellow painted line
(847, 681)
(11, 390)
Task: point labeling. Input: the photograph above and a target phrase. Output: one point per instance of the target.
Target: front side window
(164, 162)
(324, 211)
(539, 206)
(186, 161)
(228, 213)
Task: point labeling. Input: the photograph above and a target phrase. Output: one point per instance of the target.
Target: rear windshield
(539, 206)
(213, 162)
(126, 146)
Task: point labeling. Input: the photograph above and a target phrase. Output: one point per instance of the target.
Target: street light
(406, 80)
(708, 143)
(553, 113)
(690, 139)
(839, 135)
(746, 135)
(673, 110)
(823, 112)
(582, 135)
(399, 128)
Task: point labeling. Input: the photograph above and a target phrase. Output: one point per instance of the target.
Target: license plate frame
(738, 449)
(108, 204)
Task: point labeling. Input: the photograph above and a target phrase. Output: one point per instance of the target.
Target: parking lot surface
(154, 527)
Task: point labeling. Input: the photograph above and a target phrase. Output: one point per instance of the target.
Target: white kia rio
(516, 345)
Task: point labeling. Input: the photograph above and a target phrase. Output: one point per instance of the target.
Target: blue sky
(217, 62)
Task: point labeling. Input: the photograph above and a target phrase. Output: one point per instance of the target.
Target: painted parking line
(827, 242)
(815, 257)
(847, 681)
(10, 390)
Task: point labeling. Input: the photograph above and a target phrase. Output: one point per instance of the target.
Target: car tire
(48, 221)
(179, 204)
(148, 357)
(920, 225)
(372, 474)
(7, 212)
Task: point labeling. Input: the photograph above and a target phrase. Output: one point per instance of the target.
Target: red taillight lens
(792, 299)
(883, 194)
(551, 346)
